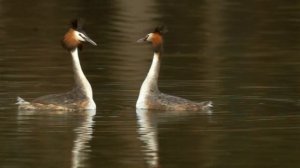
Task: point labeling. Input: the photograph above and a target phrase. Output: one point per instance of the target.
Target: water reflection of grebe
(148, 135)
(148, 121)
(84, 135)
(150, 97)
(77, 129)
(81, 97)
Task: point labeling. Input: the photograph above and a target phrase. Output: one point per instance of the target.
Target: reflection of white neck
(80, 80)
(80, 151)
(148, 134)
(149, 85)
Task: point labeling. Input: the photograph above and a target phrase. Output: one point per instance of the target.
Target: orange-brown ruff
(69, 41)
(81, 96)
(150, 97)
(157, 40)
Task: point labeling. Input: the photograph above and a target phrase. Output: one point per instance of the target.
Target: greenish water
(244, 56)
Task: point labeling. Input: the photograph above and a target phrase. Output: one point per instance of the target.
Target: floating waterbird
(81, 96)
(150, 97)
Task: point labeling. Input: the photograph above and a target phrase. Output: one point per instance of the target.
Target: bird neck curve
(81, 81)
(150, 83)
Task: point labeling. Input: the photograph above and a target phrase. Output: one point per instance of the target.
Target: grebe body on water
(150, 96)
(81, 96)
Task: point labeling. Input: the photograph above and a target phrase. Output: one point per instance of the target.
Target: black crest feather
(160, 29)
(77, 24)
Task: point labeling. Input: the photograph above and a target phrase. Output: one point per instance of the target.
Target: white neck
(80, 80)
(149, 86)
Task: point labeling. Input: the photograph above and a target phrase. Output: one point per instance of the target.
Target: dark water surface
(244, 56)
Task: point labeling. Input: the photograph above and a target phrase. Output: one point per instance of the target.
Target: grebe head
(155, 38)
(75, 36)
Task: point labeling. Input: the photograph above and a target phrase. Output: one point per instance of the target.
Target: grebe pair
(81, 97)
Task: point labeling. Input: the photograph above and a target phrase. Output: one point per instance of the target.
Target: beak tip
(93, 43)
(140, 40)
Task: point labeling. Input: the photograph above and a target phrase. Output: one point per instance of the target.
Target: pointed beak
(144, 39)
(90, 40)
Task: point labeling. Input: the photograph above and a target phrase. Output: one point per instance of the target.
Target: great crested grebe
(150, 97)
(81, 96)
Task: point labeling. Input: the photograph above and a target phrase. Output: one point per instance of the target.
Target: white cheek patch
(150, 36)
(78, 36)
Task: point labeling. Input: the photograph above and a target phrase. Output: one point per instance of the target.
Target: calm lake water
(244, 56)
